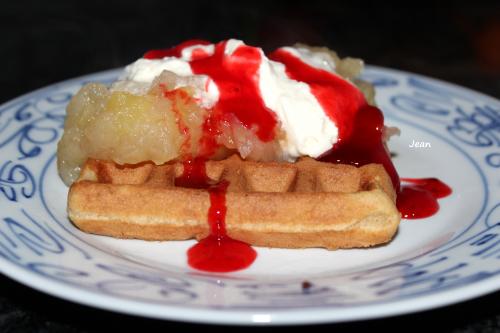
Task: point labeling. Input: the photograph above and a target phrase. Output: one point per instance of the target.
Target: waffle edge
(287, 205)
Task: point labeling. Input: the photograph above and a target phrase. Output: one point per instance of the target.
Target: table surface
(43, 43)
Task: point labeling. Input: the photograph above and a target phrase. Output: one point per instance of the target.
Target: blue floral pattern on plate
(40, 248)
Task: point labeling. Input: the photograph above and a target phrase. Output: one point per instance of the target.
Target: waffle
(288, 205)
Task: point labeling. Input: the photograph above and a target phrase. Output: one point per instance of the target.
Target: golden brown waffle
(290, 205)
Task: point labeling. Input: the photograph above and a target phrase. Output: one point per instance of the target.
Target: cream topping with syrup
(309, 131)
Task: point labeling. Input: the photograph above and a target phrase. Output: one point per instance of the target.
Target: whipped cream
(139, 76)
(308, 129)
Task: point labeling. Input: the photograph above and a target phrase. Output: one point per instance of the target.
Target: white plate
(450, 257)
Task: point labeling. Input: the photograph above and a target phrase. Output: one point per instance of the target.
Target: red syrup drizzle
(419, 200)
(360, 139)
(361, 134)
(173, 95)
(360, 125)
(218, 252)
(237, 78)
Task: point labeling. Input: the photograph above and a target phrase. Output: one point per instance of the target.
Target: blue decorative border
(32, 238)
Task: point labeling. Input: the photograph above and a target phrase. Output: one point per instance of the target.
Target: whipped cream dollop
(309, 130)
(138, 76)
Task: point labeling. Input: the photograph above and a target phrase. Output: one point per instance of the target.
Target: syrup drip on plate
(218, 252)
(419, 198)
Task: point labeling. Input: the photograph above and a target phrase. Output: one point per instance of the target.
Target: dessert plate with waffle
(217, 183)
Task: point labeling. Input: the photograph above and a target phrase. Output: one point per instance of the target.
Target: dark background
(45, 42)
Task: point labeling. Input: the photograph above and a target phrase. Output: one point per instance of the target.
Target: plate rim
(185, 313)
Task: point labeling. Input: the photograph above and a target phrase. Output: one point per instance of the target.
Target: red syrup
(360, 139)
(237, 78)
(218, 252)
(360, 134)
(194, 174)
(339, 99)
(433, 185)
(360, 125)
(419, 198)
(365, 145)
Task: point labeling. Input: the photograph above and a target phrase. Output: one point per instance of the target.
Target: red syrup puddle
(218, 252)
(419, 198)
(433, 185)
